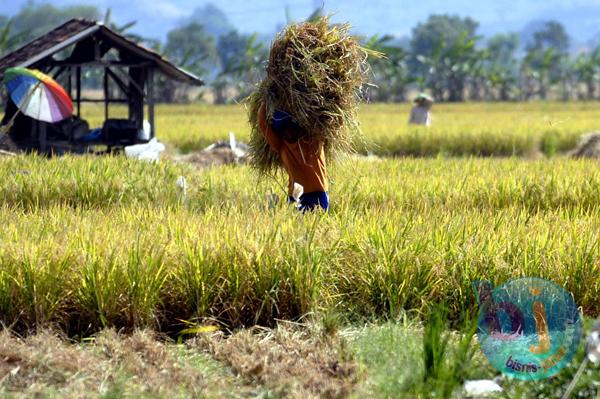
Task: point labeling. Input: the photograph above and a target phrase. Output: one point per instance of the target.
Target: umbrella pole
(4, 129)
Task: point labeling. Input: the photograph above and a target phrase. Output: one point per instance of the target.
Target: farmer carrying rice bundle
(304, 112)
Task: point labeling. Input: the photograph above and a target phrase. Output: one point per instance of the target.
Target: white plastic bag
(147, 152)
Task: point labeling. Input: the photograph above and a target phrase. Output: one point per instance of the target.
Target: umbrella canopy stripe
(40, 105)
(30, 97)
(20, 87)
(38, 95)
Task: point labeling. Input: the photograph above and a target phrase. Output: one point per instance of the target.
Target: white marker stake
(182, 186)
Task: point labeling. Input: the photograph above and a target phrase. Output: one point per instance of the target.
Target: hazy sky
(581, 17)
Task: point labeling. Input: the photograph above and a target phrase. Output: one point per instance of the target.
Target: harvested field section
(110, 366)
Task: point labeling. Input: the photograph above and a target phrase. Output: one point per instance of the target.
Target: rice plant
(86, 246)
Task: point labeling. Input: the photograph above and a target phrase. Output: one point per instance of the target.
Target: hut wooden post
(137, 81)
(43, 137)
(150, 101)
(106, 94)
(70, 83)
(78, 83)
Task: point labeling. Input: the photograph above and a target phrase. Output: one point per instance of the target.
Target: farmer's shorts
(311, 201)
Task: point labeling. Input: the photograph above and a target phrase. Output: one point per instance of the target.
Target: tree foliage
(191, 47)
(36, 19)
(444, 55)
(390, 72)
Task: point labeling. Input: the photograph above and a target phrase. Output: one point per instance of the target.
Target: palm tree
(432, 71)
(460, 59)
(122, 29)
(391, 72)
(8, 39)
(587, 71)
(244, 70)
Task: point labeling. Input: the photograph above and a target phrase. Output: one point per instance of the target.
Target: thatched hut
(124, 69)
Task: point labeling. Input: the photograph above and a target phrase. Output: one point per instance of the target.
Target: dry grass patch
(34, 364)
(111, 366)
(290, 362)
(286, 362)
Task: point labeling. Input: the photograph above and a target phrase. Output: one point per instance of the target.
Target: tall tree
(502, 64)
(190, 47)
(391, 74)
(242, 59)
(36, 19)
(124, 29)
(213, 19)
(587, 70)
(552, 35)
(231, 49)
(442, 52)
(8, 38)
(547, 56)
(478, 75)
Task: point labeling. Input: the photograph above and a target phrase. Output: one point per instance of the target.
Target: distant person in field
(421, 112)
(302, 157)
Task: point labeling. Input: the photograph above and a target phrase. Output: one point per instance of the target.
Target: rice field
(87, 246)
(477, 129)
(90, 244)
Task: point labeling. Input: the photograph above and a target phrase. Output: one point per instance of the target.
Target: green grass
(90, 243)
(393, 356)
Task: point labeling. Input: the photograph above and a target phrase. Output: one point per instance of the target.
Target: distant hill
(213, 19)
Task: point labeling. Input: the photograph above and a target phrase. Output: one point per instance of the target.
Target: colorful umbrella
(38, 95)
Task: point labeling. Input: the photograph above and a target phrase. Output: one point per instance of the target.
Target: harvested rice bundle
(316, 73)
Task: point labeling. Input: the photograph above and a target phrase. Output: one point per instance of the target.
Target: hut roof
(77, 30)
